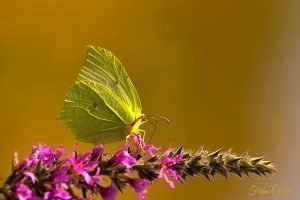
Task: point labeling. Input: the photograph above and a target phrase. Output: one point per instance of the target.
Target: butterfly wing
(103, 67)
(102, 102)
(86, 114)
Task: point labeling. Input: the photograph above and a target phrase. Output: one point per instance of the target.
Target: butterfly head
(135, 127)
(142, 119)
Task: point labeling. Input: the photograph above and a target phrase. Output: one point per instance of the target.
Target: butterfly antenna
(161, 118)
(153, 124)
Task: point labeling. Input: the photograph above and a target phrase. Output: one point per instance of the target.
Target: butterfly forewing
(104, 67)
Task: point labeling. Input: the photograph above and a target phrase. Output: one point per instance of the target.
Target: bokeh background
(226, 73)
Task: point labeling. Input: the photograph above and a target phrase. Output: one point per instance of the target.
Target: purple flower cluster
(46, 174)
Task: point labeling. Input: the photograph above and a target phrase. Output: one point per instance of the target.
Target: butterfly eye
(95, 105)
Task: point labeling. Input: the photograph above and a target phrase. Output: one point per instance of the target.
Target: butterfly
(102, 106)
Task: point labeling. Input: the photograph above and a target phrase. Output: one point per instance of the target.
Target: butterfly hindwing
(88, 117)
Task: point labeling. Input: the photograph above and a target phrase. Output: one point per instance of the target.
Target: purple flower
(23, 192)
(42, 153)
(29, 162)
(109, 193)
(61, 175)
(139, 186)
(46, 175)
(47, 154)
(57, 193)
(31, 176)
(124, 157)
(139, 142)
(166, 169)
(83, 165)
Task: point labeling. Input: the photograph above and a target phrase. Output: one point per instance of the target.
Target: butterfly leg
(128, 137)
(141, 134)
(131, 135)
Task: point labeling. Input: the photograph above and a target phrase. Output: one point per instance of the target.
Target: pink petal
(31, 176)
(150, 149)
(174, 174)
(139, 186)
(162, 174)
(109, 193)
(87, 177)
(23, 192)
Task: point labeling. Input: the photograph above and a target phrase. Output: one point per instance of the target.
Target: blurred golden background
(226, 73)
